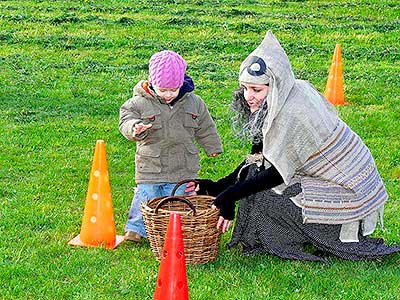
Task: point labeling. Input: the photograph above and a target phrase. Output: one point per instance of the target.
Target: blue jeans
(143, 192)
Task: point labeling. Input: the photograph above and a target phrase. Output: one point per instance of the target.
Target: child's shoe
(132, 236)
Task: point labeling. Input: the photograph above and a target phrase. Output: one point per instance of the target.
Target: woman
(309, 180)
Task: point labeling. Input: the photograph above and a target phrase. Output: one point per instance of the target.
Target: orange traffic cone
(334, 91)
(98, 226)
(172, 280)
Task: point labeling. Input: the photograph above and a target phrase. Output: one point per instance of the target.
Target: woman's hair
(245, 124)
(241, 108)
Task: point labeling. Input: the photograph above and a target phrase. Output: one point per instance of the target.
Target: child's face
(168, 94)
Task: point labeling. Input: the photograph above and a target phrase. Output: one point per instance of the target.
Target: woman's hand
(192, 188)
(202, 187)
(223, 224)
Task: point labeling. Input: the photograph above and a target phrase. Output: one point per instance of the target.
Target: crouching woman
(309, 180)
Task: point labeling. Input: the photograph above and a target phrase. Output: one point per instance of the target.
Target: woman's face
(254, 94)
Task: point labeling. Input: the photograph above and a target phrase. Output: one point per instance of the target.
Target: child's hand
(139, 128)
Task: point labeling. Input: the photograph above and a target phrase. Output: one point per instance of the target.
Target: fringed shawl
(304, 138)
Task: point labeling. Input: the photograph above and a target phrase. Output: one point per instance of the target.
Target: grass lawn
(67, 66)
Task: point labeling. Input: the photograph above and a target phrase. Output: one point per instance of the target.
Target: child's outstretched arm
(130, 124)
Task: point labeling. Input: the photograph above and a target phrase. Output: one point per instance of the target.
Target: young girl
(165, 118)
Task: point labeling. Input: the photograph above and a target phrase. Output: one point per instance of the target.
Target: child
(164, 117)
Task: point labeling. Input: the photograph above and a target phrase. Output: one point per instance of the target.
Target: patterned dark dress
(268, 222)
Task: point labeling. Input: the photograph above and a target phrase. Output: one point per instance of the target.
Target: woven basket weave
(200, 235)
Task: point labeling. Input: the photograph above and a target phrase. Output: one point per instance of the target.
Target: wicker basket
(198, 219)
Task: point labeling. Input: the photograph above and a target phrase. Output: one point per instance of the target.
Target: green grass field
(67, 66)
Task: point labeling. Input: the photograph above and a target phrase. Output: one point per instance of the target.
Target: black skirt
(268, 222)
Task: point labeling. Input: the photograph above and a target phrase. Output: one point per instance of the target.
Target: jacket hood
(144, 89)
(187, 87)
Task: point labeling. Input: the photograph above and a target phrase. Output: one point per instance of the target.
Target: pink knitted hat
(167, 69)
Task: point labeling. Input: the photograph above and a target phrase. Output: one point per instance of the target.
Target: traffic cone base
(76, 241)
(98, 226)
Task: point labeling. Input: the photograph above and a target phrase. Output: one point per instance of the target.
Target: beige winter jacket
(166, 152)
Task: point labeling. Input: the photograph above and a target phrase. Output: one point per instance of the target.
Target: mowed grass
(67, 66)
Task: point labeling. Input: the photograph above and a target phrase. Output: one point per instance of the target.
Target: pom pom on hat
(167, 69)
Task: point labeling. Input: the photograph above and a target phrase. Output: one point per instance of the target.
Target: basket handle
(179, 183)
(175, 198)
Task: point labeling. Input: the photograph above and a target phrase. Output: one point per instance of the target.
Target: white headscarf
(299, 118)
(260, 68)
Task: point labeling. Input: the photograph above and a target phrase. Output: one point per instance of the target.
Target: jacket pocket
(153, 117)
(192, 157)
(191, 120)
(148, 158)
